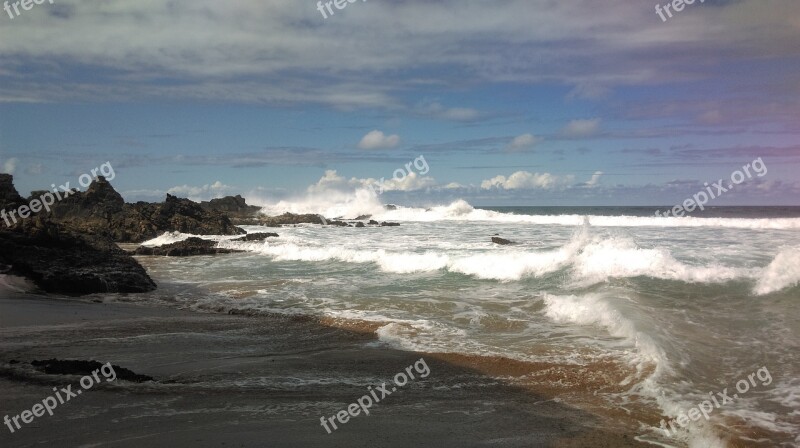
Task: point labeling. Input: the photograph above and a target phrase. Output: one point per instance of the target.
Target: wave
(782, 273)
(586, 259)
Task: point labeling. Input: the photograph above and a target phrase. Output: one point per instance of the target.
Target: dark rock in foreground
(257, 237)
(60, 261)
(69, 367)
(501, 241)
(187, 248)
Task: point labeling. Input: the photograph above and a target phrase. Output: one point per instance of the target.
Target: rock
(360, 224)
(390, 207)
(61, 261)
(501, 241)
(257, 237)
(9, 197)
(101, 210)
(186, 248)
(372, 222)
(363, 217)
(235, 207)
(287, 218)
(390, 224)
(69, 367)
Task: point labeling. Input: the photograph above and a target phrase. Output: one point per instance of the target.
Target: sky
(502, 102)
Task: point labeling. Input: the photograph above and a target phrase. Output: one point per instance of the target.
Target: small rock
(501, 241)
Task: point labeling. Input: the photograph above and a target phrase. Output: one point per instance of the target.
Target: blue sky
(509, 102)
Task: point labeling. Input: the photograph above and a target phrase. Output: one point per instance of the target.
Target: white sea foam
(783, 272)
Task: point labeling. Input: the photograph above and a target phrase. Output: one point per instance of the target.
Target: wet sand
(255, 381)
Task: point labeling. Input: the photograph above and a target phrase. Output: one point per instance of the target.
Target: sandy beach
(242, 381)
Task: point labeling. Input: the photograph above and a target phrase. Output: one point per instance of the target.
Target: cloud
(331, 181)
(437, 110)
(524, 180)
(9, 166)
(595, 179)
(582, 128)
(377, 140)
(524, 141)
(203, 193)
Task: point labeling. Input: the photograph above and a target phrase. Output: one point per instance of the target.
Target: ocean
(635, 316)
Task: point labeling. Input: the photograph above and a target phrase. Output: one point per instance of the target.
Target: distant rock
(372, 222)
(190, 247)
(390, 207)
(285, 219)
(235, 207)
(360, 224)
(257, 237)
(363, 217)
(101, 210)
(501, 241)
(390, 224)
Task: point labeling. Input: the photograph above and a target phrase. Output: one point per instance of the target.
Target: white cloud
(595, 179)
(203, 193)
(378, 140)
(437, 110)
(524, 141)
(582, 128)
(10, 165)
(524, 180)
(332, 181)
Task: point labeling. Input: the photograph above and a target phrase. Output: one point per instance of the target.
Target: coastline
(296, 371)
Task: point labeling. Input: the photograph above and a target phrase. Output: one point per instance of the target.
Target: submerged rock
(257, 237)
(501, 241)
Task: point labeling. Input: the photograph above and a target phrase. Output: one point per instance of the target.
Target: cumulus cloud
(595, 179)
(202, 193)
(332, 181)
(524, 141)
(378, 140)
(524, 180)
(582, 128)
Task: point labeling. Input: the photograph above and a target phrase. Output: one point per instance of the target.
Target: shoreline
(233, 379)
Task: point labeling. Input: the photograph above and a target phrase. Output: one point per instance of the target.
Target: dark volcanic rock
(58, 260)
(501, 241)
(257, 237)
(70, 367)
(289, 218)
(360, 224)
(390, 224)
(372, 222)
(9, 197)
(235, 207)
(101, 210)
(189, 247)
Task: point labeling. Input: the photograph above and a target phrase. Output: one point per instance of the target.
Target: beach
(308, 370)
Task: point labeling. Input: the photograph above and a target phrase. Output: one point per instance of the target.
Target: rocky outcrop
(286, 219)
(190, 247)
(101, 210)
(9, 197)
(59, 260)
(501, 241)
(235, 207)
